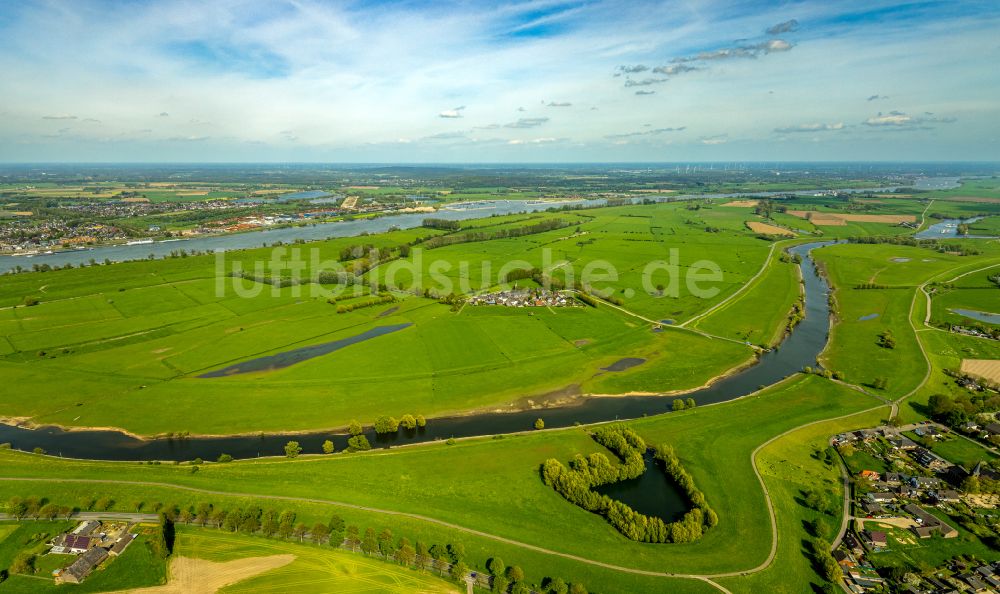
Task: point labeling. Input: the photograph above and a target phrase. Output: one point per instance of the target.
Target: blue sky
(532, 81)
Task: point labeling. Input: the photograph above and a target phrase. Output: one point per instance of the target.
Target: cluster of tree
(907, 240)
(353, 252)
(886, 340)
(576, 485)
(826, 565)
(790, 258)
(610, 298)
(995, 279)
(827, 373)
(980, 484)
(387, 424)
(380, 300)
(864, 286)
(766, 208)
(473, 236)
(521, 274)
(340, 277)
(40, 509)
(587, 298)
(357, 442)
(276, 281)
(683, 404)
(796, 315)
(955, 248)
(454, 300)
(956, 411)
(441, 224)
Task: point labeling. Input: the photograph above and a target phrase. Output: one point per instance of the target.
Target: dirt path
(197, 576)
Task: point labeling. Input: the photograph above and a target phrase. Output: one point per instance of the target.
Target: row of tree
(473, 236)
(387, 424)
(446, 559)
(381, 299)
(576, 484)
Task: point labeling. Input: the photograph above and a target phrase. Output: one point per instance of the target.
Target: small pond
(652, 494)
(288, 358)
(982, 316)
(623, 364)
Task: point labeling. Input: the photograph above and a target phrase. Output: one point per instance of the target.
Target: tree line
(576, 485)
(447, 560)
(473, 236)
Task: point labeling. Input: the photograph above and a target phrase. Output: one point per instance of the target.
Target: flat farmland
(123, 345)
(864, 314)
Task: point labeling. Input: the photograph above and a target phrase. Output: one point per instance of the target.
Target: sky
(529, 81)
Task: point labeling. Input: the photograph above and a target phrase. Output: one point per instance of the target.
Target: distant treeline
(471, 236)
(382, 298)
(442, 224)
(576, 484)
(931, 244)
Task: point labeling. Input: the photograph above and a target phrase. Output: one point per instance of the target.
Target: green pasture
(315, 568)
(714, 443)
(854, 348)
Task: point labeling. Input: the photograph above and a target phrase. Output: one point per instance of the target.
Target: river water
(319, 231)
(799, 349)
(948, 229)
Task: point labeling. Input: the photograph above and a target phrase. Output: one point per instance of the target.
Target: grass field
(713, 442)
(127, 342)
(865, 314)
(315, 568)
(743, 318)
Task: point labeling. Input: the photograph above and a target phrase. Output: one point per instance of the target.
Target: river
(799, 349)
(320, 231)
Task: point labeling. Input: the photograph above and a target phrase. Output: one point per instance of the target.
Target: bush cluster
(576, 485)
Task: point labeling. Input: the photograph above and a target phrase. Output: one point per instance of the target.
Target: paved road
(112, 516)
(845, 477)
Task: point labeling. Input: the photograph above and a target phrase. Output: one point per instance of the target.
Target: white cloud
(526, 123)
(455, 112)
(898, 119)
(813, 127)
(714, 139)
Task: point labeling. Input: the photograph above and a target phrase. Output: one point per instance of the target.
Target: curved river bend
(800, 348)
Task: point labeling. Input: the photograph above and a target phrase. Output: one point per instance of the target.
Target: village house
(121, 544)
(929, 459)
(881, 497)
(945, 496)
(877, 539)
(73, 544)
(81, 568)
(929, 523)
(901, 442)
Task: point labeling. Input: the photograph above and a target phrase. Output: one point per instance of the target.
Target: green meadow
(127, 342)
(864, 314)
(458, 484)
(314, 569)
